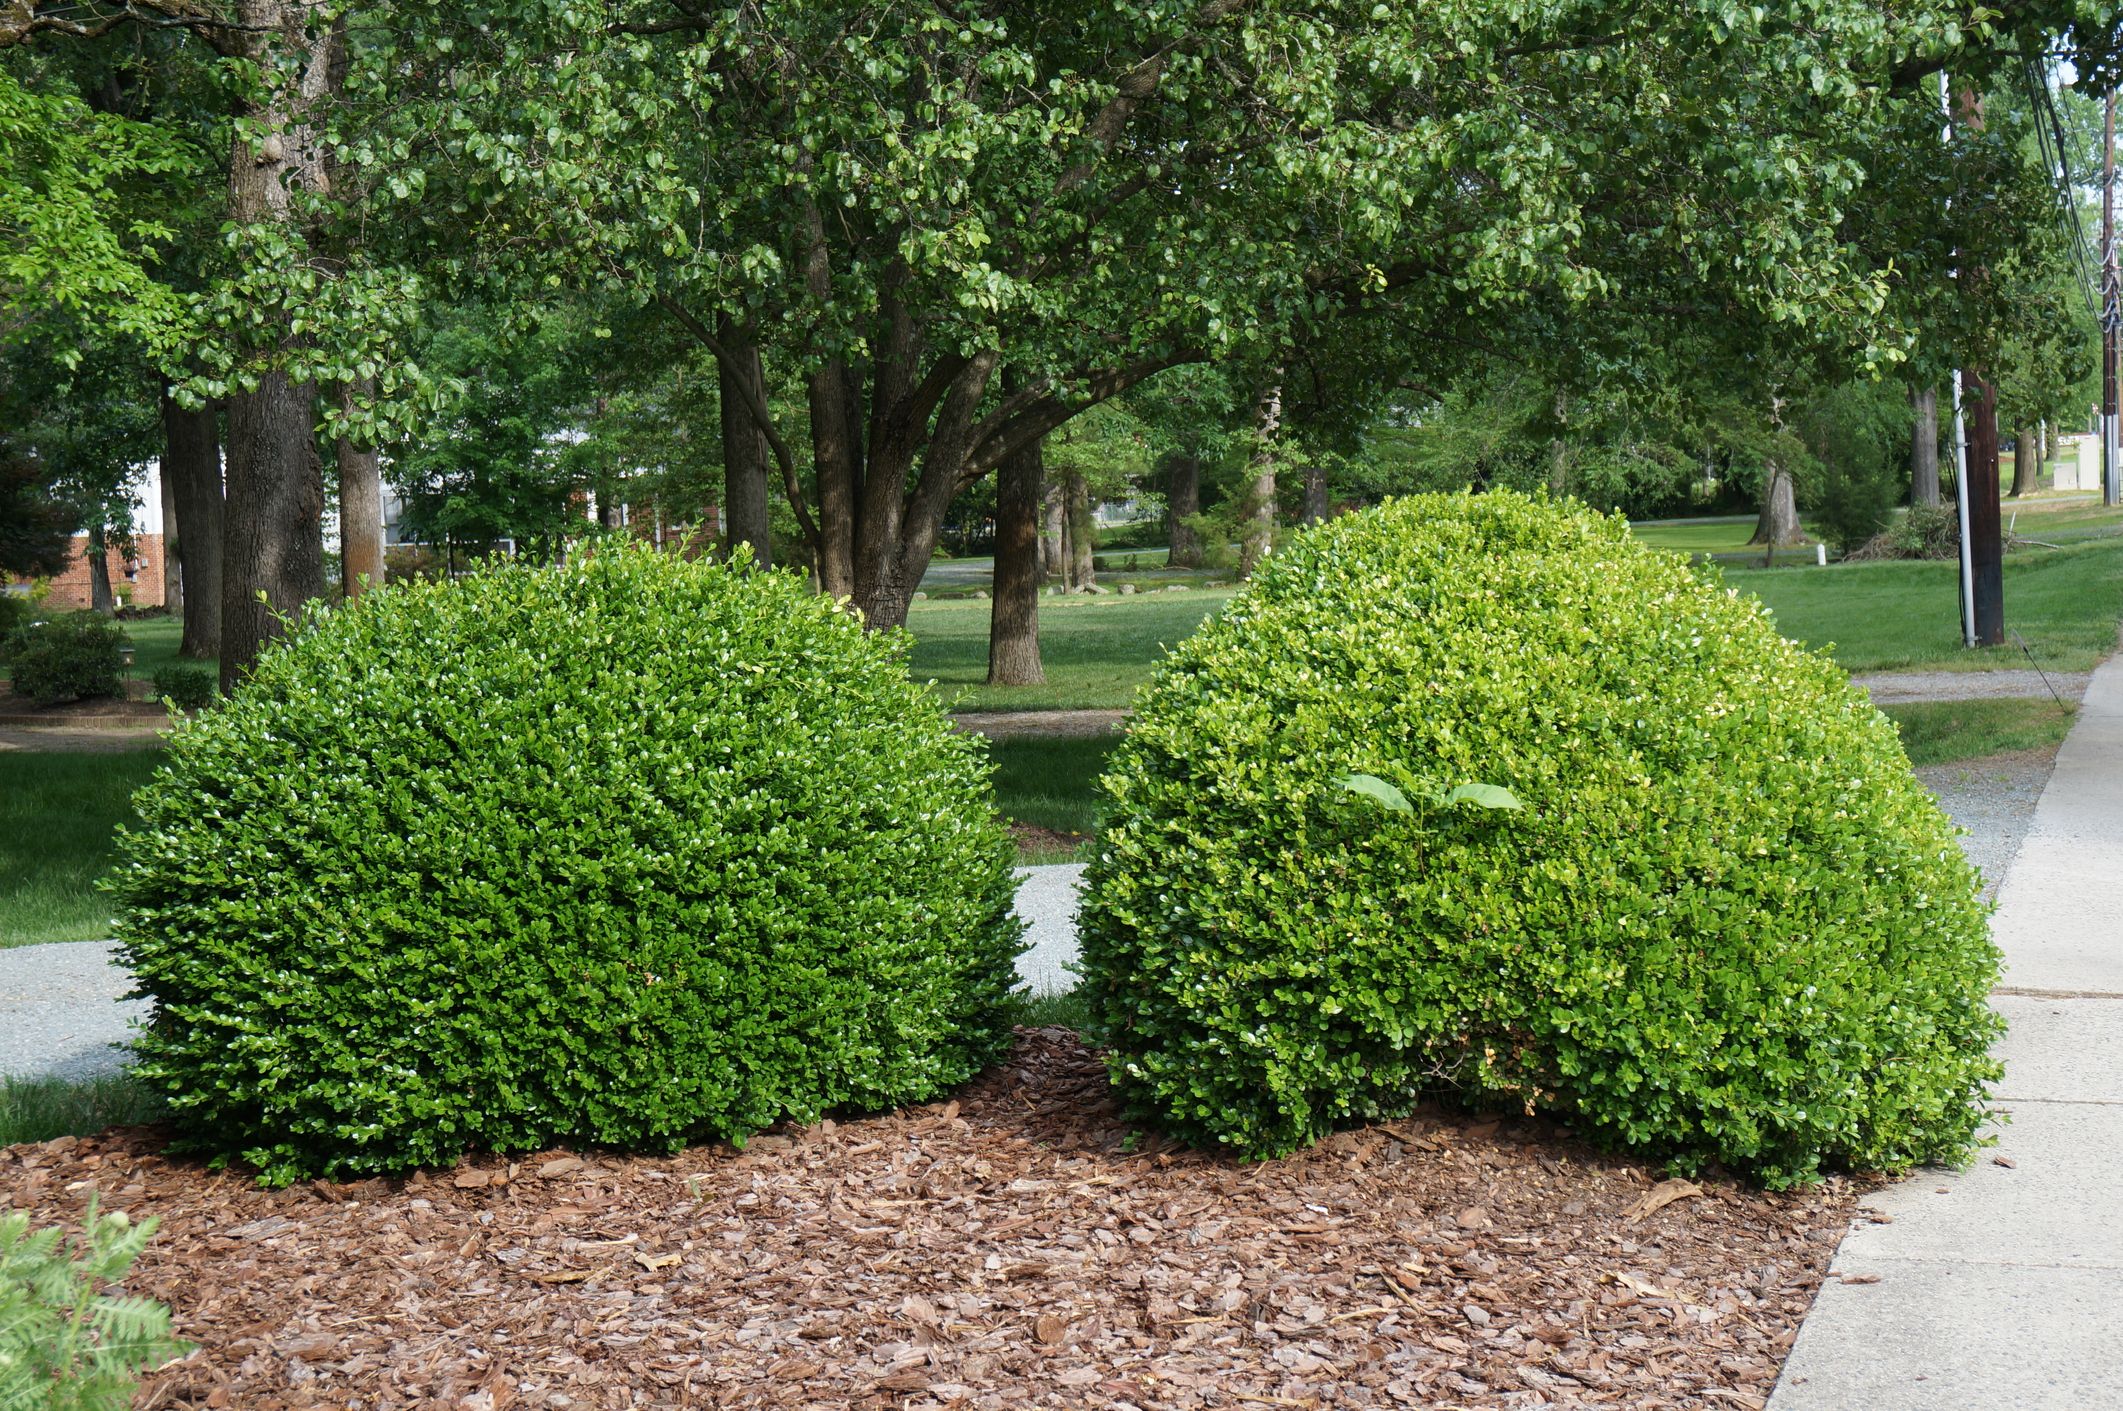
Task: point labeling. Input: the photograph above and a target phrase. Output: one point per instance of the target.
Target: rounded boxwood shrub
(633, 851)
(1477, 796)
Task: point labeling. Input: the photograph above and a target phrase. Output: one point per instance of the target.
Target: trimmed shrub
(77, 656)
(634, 851)
(186, 687)
(1723, 922)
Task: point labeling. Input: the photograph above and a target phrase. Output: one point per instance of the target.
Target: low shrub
(14, 615)
(1474, 795)
(73, 657)
(186, 687)
(635, 851)
(66, 1342)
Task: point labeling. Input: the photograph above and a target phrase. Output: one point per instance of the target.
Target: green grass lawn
(1097, 650)
(40, 1109)
(1940, 732)
(57, 816)
(1726, 535)
(1891, 616)
(1050, 782)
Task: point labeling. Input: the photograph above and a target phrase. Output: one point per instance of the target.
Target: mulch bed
(999, 1251)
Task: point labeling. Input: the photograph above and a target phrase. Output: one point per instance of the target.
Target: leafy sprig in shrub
(66, 1343)
(1725, 923)
(76, 656)
(635, 851)
(186, 687)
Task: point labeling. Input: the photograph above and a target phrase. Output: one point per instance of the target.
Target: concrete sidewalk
(2000, 1288)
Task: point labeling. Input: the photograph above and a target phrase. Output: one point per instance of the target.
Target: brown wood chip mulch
(999, 1251)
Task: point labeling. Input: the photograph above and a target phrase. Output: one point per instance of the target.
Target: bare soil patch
(999, 1251)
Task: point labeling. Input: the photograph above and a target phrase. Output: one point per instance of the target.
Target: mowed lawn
(1893, 616)
(1096, 650)
(58, 815)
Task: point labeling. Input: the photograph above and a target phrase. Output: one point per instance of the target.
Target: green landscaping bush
(76, 656)
(186, 687)
(1476, 796)
(634, 851)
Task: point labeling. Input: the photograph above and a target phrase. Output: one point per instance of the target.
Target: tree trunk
(1315, 505)
(172, 569)
(1258, 532)
(360, 503)
(100, 597)
(1778, 525)
(1924, 447)
(1054, 536)
(191, 467)
(1013, 618)
(272, 541)
(2026, 462)
(1083, 533)
(1183, 500)
(272, 544)
(744, 446)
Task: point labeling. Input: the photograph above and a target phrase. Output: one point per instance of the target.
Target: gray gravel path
(62, 1006)
(1899, 687)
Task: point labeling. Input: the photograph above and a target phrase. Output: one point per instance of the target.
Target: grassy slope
(1940, 732)
(1890, 616)
(57, 816)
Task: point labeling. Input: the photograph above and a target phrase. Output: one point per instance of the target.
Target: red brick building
(136, 577)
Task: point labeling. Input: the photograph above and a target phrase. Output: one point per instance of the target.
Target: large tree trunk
(360, 503)
(272, 545)
(2026, 461)
(1778, 524)
(1257, 534)
(1013, 618)
(172, 570)
(272, 541)
(191, 467)
(1924, 447)
(100, 597)
(1315, 485)
(744, 446)
(1183, 500)
(1083, 532)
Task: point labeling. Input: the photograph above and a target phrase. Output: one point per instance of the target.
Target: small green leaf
(1380, 792)
(1487, 795)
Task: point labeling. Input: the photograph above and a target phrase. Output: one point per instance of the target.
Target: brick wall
(135, 579)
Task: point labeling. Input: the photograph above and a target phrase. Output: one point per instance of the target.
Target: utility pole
(1982, 525)
(2111, 314)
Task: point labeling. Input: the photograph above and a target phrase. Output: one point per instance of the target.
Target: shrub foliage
(1725, 924)
(186, 687)
(72, 657)
(66, 1342)
(634, 851)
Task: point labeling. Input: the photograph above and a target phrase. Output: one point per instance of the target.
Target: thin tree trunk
(272, 542)
(2026, 462)
(1013, 618)
(1258, 533)
(1315, 487)
(744, 446)
(100, 597)
(1054, 536)
(1986, 544)
(360, 503)
(191, 467)
(1183, 500)
(1083, 532)
(172, 568)
(1924, 447)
